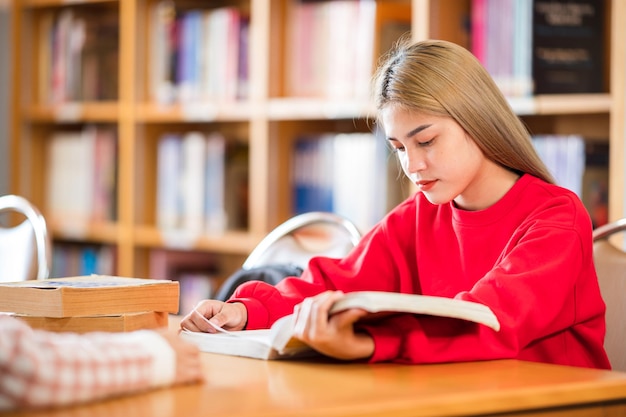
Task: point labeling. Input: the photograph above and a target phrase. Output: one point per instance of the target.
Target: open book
(277, 342)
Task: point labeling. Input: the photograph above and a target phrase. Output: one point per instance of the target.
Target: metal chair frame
(297, 223)
(20, 205)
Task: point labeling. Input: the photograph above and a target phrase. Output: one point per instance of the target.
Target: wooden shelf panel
(92, 232)
(315, 109)
(561, 104)
(60, 3)
(290, 109)
(195, 112)
(326, 109)
(73, 112)
(239, 243)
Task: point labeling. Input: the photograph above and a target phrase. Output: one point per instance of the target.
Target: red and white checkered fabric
(42, 369)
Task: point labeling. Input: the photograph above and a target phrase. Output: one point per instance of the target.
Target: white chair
(286, 250)
(25, 246)
(610, 264)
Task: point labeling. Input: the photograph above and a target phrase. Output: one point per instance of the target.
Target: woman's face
(438, 156)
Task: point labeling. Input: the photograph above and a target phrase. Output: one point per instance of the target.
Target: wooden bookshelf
(268, 119)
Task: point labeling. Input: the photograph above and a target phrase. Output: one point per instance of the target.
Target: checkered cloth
(43, 369)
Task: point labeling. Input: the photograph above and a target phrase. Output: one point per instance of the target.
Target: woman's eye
(398, 149)
(427, 143)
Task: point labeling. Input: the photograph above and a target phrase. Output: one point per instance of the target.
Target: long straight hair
(444, 79)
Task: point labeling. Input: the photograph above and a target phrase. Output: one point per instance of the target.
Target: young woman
(487, 225)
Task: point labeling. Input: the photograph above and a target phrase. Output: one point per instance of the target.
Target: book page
(274, 343)
(88, 281)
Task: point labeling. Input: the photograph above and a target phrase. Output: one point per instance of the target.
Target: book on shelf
(333, 46)
(99, 57)
(193, 171)
(540, 46)
(81, 177)
(564, 156)
(71, 259)
(188, 63)
(596, 182)
(123, 322)
(340, 173)
(501, 40)
(197, 273)
(192, 180)
(88, 296)
(236, 182)
(278, 341)
(215, 191)
(196, 53)
(78, 56)
(70, 174)
(169, 160)
(568, 46)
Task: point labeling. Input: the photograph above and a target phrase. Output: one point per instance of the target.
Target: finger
(301, 317)
(321, 308)
(348, 317)
(204, 324)
(188, 324)
(196, 322)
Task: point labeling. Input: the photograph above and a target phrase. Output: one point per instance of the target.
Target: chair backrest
(286, 250)
(610, 264)
(303, 236)
(25, 248)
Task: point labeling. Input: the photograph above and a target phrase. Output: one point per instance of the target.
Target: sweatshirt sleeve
(368, 266)
(547, 312)
(43, 369)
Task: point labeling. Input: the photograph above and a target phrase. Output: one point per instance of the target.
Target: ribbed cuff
(258, 316)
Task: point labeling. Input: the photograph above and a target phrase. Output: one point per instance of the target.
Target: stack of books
(91, 303)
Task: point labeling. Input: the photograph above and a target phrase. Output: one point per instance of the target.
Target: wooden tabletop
(244, 387)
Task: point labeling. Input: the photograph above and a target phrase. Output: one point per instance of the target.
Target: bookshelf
(267, 119)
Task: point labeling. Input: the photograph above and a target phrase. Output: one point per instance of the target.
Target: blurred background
(4, 96)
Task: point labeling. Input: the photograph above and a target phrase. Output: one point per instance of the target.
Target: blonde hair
(444, 79)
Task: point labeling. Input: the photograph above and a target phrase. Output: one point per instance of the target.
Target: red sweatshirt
(529, 257)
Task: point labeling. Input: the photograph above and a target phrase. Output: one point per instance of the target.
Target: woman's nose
(411, 164)
(415, 161)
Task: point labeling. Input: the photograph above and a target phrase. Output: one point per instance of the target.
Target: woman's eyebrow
(413, 132)
(417, 130)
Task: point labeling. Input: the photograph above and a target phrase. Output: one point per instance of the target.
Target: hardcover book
(125, 322)
(88, 296)
(568, 46)
(278, 341)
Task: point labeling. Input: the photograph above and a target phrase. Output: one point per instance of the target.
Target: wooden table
(240, 387)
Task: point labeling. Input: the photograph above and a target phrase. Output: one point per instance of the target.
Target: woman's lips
(425, 185)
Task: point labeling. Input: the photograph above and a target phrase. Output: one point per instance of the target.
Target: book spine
(162, 16)
(215, 213)
(478, 37)
(243, 64)
(169, 156)
(192, 181)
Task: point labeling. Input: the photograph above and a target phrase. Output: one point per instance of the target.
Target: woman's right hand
(209, 314)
